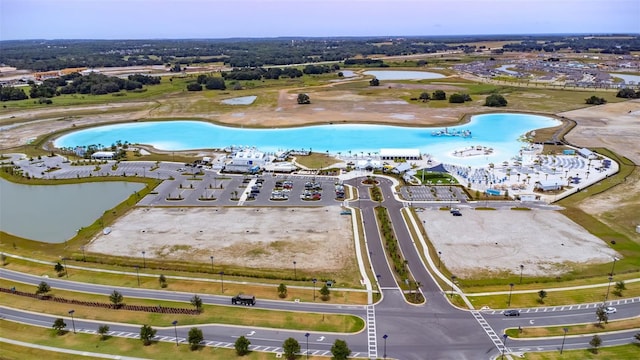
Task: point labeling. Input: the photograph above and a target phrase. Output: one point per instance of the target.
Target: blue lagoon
(501, 132)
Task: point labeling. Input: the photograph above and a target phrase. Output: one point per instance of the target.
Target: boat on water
(446, 132)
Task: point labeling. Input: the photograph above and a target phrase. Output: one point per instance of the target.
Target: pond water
(244, 100)
(635, 79)
(505, 68)
(499, 131)
(53, 213)
(403, 75)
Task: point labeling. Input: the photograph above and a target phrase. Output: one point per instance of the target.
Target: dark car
(456, 213)
(512, 313)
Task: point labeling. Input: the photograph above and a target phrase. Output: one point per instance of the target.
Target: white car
(610, 310)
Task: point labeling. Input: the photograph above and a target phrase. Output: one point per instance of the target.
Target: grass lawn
(112, 345)
(212, 314)
(592, 328)
(622, 352)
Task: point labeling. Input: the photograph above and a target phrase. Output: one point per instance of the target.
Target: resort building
(404, 154)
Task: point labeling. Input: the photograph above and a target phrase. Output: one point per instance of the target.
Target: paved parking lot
(433, 193)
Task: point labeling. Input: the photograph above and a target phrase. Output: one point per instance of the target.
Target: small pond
(244, 100)
(403, 75)
(53, 213)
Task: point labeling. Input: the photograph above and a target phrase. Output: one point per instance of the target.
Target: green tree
(602, 315)
(595, 343)
(59, 269)
(542, 294)
(340, 350)
(304, 99)
(627, 93)
(594, 100)
(59, 325)
(324, 292)
(439, 95)
(196, 301)
(457, 98)
(282, 291)
(290, 347)
(195, 337)
(43, 288)
(619, 288)
(495, 100)
(215, 83)
(194, 87)
(242, 346)
(102, 331)
(116, 299)
(374, 82)
(424, 97)
(163, 281)
(146, 334)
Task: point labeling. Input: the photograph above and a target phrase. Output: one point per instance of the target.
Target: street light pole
(211, 257)
(563, 337)
(504, 344)
(295, 276)
(175, 329)
(307, 336)
(83, 257)
(314, 289)
(453, 279)
(614, 265)
(72, 320)
(66, 271)
(384, 354)
(138, 274)
(510, 290)
(606, 297)
(521, 268)
(222, 281)
(439, 258)
(144, 260)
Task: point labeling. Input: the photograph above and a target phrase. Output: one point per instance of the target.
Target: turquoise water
(403, 75)
(498, 131)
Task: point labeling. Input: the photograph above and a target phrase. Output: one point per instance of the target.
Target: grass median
(112, 345)
(590, 328)
(212, 314)
(622, 352)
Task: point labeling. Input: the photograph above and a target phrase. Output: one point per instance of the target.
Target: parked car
(512, 313)
(610, 310)
(456, 213)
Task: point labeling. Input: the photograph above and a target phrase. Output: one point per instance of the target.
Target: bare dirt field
(318, 239)
(485, 243)
(614, 126)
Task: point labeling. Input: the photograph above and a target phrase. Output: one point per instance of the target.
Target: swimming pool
(501, 132)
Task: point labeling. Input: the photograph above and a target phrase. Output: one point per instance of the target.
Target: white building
(103, 155)
(406, 154)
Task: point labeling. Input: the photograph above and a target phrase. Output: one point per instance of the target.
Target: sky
(213, 19)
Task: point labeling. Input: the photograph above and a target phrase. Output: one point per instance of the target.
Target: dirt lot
(490, 242)
(316, 238)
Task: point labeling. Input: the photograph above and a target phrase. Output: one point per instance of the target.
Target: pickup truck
(243, 299)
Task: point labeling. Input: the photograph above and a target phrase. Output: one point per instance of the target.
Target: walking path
(67, 351)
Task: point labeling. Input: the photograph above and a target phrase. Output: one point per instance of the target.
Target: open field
(498, 242)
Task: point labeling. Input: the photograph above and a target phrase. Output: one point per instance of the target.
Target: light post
(439, 258)
(314, 289)
(221, 281)
(66, 271)
(504, 344)
(211, 257)
(138, 274)
(175, 329)
(563, 337)
(521, 268)
(295, 276)
(84, 259)
(307, 336)
(606, 297)
(614, 265)
(73, 322)
(144, 260)
(384, 354)
(453, 279)
(510, 290)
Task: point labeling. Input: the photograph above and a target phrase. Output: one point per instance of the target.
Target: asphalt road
(433, 330)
